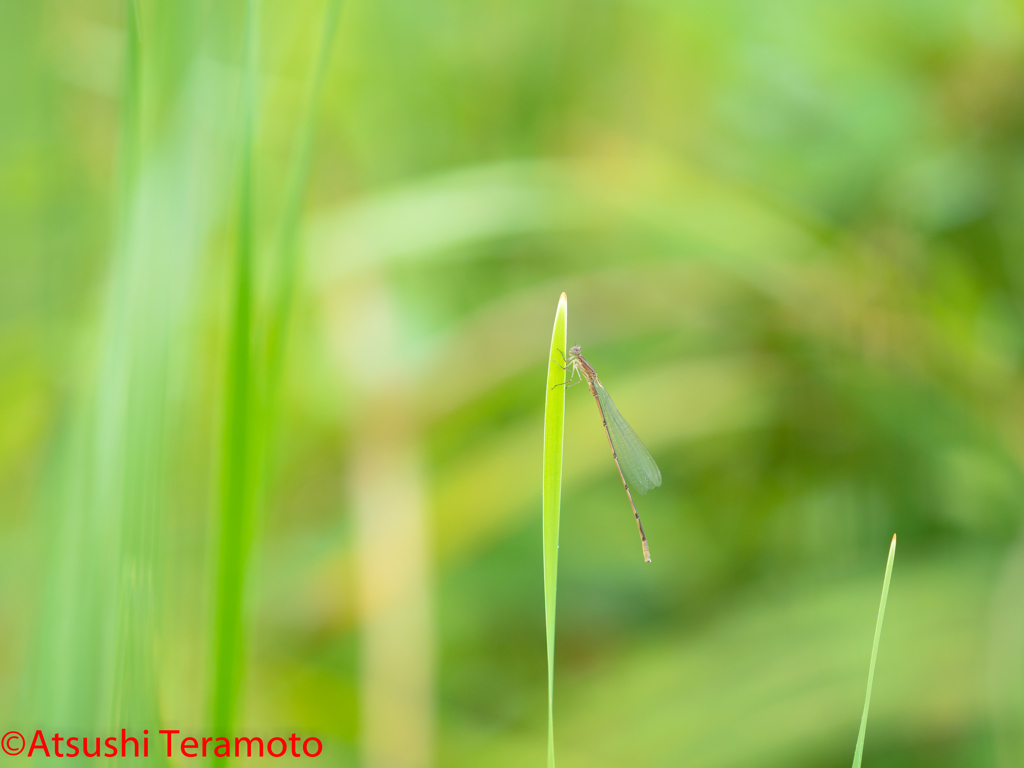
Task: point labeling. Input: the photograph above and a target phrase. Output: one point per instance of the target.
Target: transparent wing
(638, 466)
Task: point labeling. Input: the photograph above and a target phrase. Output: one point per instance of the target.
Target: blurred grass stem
(859, 752)
(287, 257)
(238, 462)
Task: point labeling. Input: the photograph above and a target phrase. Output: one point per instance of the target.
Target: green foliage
(791, 232)
(252, 382)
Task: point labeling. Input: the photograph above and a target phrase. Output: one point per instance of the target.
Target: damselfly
(634, 462)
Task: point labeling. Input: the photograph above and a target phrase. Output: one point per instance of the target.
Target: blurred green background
(791, 236)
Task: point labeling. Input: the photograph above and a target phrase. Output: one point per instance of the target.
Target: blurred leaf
(776, 679)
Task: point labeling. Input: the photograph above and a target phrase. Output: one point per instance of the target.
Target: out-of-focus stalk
(286, 262)
(393, 558)
(859, 751)
(239, 461)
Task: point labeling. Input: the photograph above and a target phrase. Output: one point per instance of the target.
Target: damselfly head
(575, 351)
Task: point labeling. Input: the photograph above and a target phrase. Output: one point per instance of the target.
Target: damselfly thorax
(581, 368)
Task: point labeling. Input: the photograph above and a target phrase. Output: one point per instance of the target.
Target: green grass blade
(554, 429)
(238, 461)
(287, 257)
(859, 752)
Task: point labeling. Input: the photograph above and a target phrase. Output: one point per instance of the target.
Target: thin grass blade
(554, 429)
(287, 252)
(239, 459)
(859, 752)
(637, 464)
